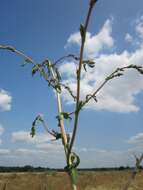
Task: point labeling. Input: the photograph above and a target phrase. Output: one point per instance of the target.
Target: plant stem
(74, 187)
(91, 5)
(61, 121)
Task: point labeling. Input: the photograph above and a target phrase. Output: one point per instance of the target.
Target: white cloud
(128, 38)
(137, 139)
(4, 152)
(118, 95)
(5, 100)
(139, 26)
(34, 157)
(41, 141)
(24, 136)
(52, 146)
(105, 158)
(94, 44)
(38, 157)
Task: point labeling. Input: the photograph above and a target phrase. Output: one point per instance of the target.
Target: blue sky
(109, 132)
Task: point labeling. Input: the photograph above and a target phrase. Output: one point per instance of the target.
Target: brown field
(109, 180)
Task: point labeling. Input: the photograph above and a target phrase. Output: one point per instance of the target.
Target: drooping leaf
(33, 131)
(34, 123)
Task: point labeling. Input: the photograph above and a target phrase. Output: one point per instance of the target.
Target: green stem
(91, 5)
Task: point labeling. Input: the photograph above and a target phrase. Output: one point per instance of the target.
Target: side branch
(117, 73)
(12, 49)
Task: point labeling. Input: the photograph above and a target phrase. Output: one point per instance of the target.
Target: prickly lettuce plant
(50, 73)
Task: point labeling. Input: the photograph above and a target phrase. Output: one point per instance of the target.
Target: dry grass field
(109, 180)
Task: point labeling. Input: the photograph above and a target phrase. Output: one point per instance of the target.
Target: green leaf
(35, 69)
(66, 115)
(33, 131)
(58, 136)
(33, 128)
(82, 31)
(58, 88)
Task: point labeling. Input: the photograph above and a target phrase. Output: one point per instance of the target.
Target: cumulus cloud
(41, 141)
(24, 136)
(5, 100)
(139, 26)
(118, 95)
(94, 43)
(137, 139)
